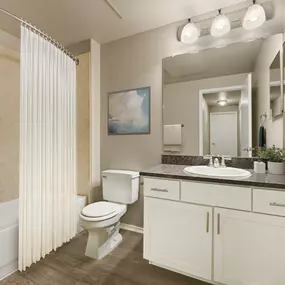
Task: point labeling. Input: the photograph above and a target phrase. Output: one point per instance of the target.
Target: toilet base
(102, 241)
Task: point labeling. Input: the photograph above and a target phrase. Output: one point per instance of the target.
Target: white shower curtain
(47, 148)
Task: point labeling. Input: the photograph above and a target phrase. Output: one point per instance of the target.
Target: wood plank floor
(124, 266)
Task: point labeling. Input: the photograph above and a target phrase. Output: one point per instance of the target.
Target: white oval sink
(228, 172)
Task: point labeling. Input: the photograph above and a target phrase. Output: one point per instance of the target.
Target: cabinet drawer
(161, 188)
(269, 202)
(217, 195)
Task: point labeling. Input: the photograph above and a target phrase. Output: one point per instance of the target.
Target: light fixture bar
(228, 13)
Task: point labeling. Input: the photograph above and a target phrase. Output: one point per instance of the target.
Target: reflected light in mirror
(222, 102)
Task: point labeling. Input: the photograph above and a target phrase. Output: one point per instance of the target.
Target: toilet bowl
(102, 219)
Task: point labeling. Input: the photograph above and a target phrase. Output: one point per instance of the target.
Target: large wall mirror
(209, 106)
(283, 55)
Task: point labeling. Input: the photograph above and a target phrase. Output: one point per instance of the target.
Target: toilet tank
(120, 186)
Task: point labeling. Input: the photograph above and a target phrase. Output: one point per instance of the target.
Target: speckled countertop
(177, 172)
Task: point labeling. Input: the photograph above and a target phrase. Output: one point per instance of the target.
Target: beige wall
(89, 97)
(181, 106)
(83, 125)
(9, 124)
(274, 127)
(130, 63)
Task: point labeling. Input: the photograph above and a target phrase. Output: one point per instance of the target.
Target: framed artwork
(129, 112)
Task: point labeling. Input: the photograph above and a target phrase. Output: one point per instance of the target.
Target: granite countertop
(177, 172)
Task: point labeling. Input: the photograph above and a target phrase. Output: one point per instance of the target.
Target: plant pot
(276, 167)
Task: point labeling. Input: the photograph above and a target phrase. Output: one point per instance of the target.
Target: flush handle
(159, 190)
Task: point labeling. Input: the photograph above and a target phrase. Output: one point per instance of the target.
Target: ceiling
(232, 97)
(232, 59)
(72, 21)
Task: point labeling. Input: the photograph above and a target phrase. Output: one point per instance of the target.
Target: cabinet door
(249, 249)
(178, 236)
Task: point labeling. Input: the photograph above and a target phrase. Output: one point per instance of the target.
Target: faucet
(216, 163)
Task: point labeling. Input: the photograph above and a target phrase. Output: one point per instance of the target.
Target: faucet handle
(210, 157)
(224, 158)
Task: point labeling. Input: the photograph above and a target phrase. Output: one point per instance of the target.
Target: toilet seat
(101, 211)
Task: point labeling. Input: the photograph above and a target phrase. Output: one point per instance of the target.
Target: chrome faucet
(216, 163)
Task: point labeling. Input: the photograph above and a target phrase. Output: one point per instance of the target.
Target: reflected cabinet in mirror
(215, 101)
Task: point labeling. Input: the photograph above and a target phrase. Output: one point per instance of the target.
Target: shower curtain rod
(44, 35)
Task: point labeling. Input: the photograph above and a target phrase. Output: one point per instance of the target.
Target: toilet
(102, 219)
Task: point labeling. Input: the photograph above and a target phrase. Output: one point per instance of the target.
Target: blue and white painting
(129, 112)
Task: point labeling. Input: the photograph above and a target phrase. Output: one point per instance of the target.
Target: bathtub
(9, 213)
(8, 238)
(80, 204)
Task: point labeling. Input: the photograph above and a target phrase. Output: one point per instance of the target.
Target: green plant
(272, 154)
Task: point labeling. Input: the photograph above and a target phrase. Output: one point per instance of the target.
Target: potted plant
(275, 158)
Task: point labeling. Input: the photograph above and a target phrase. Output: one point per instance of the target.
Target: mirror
(283, 54)
(209, 103)
(276, 98)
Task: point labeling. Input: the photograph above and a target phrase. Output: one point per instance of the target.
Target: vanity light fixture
(222, 102)
(189, 33)
(255, 17)
(221, 25)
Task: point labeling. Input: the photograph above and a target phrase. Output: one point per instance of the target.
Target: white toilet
(102, 219)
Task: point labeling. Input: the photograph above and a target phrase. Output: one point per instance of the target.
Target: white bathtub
(9, 229)
(80, 203)
(8, 238)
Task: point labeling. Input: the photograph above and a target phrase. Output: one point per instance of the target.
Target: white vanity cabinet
(249, 249)
(179, 236)
(215, 236)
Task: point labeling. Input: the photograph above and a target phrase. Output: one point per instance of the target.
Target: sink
(228, 172)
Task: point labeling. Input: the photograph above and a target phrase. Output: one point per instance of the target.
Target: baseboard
(131, 228)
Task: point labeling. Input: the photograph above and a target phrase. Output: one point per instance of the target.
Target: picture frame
(129, 112)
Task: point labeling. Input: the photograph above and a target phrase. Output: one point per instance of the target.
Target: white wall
(181, 106)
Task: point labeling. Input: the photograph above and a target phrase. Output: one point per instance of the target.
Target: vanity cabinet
(179, 236)
(249, 249)
(210, 237)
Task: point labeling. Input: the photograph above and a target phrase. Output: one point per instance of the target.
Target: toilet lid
(99, 209)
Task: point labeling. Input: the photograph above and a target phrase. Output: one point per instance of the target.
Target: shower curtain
(47, 148)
